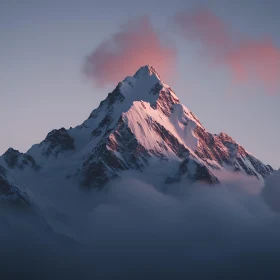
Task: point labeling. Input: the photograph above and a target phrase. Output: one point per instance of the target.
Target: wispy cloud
(135, 44)
(248, 60)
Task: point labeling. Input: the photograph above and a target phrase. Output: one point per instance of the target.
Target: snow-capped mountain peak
(146, 70)
(143, 85)
(140, 126)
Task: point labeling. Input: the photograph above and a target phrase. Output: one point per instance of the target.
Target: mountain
(10, 194)
(140, 127)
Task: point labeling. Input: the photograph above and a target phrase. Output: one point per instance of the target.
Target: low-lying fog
(135, 230)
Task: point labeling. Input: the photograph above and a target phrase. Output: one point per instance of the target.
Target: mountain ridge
(141, 124)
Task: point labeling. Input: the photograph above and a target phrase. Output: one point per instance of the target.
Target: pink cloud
(256, 60)
(248, 60)
(135, 45)
(206, 27)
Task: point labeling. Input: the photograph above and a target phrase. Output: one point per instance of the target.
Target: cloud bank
(134, 230)
(271, 192)
(134, 45)
(247, 59)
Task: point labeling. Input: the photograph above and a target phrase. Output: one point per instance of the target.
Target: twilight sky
(222, 58)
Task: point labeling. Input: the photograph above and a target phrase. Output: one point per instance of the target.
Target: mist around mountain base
(141, 229)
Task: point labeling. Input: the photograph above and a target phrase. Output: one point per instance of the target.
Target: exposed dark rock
(156, 89)
(200, 173)
(113, 98)
(170, 140)
(194, 171)
(264, 170)
(15, 159)
(104, 164)
(247, 169)
(10, 194)
(101, 166)
(224, 150)
(58, 141)
(11, 157)
(165, 101)
(203, 174)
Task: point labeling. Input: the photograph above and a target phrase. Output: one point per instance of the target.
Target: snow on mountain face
(140, 126)
(10, 194)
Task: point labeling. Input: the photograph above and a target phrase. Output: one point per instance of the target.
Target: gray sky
(43, 45)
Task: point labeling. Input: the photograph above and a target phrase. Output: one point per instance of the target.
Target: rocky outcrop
(15, 159)
(58, 141)
(228, 153)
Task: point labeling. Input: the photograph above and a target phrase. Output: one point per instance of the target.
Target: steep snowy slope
(10, 194)
(141, 126)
